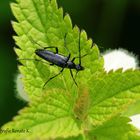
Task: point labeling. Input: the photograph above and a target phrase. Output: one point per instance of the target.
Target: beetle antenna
(65, 45)
(34, 42)
(79, 49)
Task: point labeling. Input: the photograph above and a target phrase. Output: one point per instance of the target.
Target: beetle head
(79, 67)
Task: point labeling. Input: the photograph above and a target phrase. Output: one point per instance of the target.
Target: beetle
(60, 60)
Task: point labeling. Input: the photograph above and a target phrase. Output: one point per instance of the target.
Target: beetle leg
(80, 57)
(73, 59)
(53, 77)
(41, 45)
(73, 77)
(52, 47)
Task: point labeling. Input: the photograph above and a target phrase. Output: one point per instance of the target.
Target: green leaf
(63, 110)
(50, 116)
(112, 94)
(118, 128)
(133, 109)
(44, 23)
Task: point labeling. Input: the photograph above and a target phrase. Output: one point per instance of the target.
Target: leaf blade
(107, 100)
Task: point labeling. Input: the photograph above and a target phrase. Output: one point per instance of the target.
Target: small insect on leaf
(54, 58)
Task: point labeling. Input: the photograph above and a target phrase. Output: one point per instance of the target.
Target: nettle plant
(96, 109)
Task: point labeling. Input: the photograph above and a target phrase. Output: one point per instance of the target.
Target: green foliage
(45, 23)
(133, 109)
(63, 111)
(116, 128)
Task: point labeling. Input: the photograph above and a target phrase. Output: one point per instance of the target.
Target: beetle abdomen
(51, 57)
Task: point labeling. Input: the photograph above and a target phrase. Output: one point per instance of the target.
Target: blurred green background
(111, 24)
